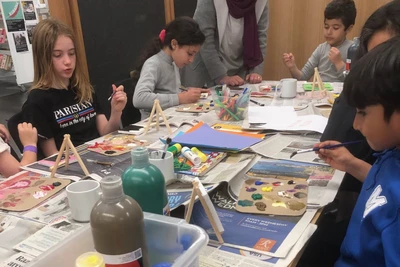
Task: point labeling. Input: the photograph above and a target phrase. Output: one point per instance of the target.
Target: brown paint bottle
(118, 227)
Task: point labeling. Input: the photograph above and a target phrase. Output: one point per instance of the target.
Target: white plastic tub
(166, 239)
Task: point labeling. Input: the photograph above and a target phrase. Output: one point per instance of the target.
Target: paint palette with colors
(273, 196)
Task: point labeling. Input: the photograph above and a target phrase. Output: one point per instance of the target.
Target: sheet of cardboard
(195, 108)
(27, 190)
(266, 198)
(117, 144)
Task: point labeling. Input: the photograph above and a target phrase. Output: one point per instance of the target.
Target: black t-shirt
(55, 112)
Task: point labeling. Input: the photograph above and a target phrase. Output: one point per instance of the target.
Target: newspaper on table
(19, 259)
(252, 231)
(180, 193)
(282, 146)
(224, 256)
(14, 230)
(47, 237)
(51, 210)
(323, 181)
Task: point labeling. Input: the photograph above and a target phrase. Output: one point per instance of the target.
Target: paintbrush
(167, 142)
(183, 88)
(104, 163)
(111, 96)
(325, 147)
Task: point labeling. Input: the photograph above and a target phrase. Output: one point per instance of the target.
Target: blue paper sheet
(207, 137)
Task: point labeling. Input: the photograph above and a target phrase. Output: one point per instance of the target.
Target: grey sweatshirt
(159, 79)
(326, 68)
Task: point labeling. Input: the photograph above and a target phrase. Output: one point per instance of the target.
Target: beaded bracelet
(30, 148)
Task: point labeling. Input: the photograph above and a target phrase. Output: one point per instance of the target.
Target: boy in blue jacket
(373, 88)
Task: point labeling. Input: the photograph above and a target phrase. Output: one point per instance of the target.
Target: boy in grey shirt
(329, 57)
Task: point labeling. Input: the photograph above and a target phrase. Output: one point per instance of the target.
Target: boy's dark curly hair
(342, 9)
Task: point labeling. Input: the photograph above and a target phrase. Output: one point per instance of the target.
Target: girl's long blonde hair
(44, 38)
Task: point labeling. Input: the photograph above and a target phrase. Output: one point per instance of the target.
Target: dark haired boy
(329, 56)
(373, 88)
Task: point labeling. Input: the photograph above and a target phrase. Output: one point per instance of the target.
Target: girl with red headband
(174, 48)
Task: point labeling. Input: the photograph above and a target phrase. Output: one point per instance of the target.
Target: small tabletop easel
(66, 146)
(200, 191)
(159, 112)
(317, 79)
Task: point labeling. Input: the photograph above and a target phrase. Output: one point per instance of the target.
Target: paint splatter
(258, 183)
(56, 184)
(291, 182)
(245, 203)
(47, 187)
(291, 190)
(295, 205)
(284, 194)
(277, 183)
(110, 152)
(300, 195)
(250, 189)
(279, 204)
(256, 196)
(300, 186)
(267, 189)
(260, 206)
(39, 194)
(272, 198)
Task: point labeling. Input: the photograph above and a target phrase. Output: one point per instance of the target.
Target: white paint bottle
(196, 160)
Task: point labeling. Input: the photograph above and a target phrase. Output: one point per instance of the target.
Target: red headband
(162, 35)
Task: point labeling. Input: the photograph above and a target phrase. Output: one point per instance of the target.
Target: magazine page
(270, 235)
(284, 146)
(224, 256)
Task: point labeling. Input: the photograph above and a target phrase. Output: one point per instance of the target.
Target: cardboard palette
(196, 107)
(117, 144)
(26, 190)
(273, 196)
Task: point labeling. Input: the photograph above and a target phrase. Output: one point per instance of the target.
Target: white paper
(271, 115)
(312, 123)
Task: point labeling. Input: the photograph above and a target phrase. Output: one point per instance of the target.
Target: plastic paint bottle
(145, 183)
(191, 156)
(175, 149)
(90, 259)
(118, 226)
(201, 155)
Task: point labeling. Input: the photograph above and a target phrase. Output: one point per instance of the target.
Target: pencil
(325, 147)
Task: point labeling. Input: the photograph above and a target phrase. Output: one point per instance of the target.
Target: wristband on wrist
(30, 148)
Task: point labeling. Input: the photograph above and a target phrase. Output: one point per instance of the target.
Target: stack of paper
(204, 136)
(283, 119)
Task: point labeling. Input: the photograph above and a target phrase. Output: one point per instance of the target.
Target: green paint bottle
(145, 183)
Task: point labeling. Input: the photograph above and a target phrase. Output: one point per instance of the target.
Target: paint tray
(308, 87)
(117, 144)
(273, 196)
(25, 191)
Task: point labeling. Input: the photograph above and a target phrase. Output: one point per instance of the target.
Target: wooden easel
(66, 146)
(317, 79)
(197, 192)
(158, 112)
